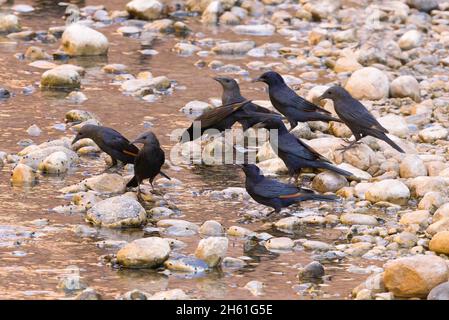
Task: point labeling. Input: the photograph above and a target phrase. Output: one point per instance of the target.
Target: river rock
(438, 226)
(440, 242)
(358, 219)
(328, 181)
(63, 78)
(441, 213)
(228, 18)
(395, 125)
(255, 30)
(174, 294)
(313, 270)
(37, 155)
(405, 86)
(9, 23)
(432, 201)
(388, 190)
(360, 156)
(409, 40)
(440, 292)
(423, 5)
(212, 250)
(415, 276)
(289, 223)
(117, 212)
(211, 228)
(412, 166)
(273, 166)
(23, 174)
(211, 13)
(419, 186)
(368, 83)
(36, 53)
(56, 162)
(106, 183)
(145, 9)
(281, 243)
(80, 40)
(144, 253)
(419, 217)
(433, 133)
(229, 48)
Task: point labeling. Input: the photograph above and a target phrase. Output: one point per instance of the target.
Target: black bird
(354, 114)
(149, 160)
(295, 153)
(222, 118)
(292, 106)
(109, 141)
(276, 194)
(231, 94)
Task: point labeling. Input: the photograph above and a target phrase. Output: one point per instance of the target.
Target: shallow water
(33, 257)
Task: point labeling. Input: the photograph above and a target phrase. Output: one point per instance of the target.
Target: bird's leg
(139, 195)
(298, 180)
(352, 144)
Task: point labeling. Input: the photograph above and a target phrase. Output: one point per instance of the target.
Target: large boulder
(144, 253)
(80, 40)
(117, 212)
(145, 9)
(389, 190)
(415, 276)
(368, 84)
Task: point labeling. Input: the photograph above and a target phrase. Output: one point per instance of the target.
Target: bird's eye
(330, 92)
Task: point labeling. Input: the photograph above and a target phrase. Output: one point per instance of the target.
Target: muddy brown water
(33, 257)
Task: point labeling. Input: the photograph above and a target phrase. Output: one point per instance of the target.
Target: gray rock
(440, 292)
(117, 212)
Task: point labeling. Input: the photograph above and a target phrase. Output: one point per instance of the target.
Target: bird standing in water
(275, 194)
(295, 153)
(293, 107)
(354, 114)
(109, 141)
(148, 162)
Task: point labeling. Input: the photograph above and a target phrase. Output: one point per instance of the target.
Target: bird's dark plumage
(354, 114)
(295, 153)
(276, 194)
(109, 141)
(293, 107)
(149, 160)
(231, 94)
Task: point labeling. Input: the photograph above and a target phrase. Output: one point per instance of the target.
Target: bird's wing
(209, 118)
(252, 107)
(352, 111)
(118, 142)
(299, 102)
(292, 145)
(269, 188)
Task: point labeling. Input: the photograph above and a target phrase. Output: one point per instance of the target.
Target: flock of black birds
(296, 154)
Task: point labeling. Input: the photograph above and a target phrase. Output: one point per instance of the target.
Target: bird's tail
(132, 183)
(384, 137)
(164, 175)
(330, 167)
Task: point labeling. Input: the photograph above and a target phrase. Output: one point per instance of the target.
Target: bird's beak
(218, 79)
(258, 79)
(322, 97)
(75, 140)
